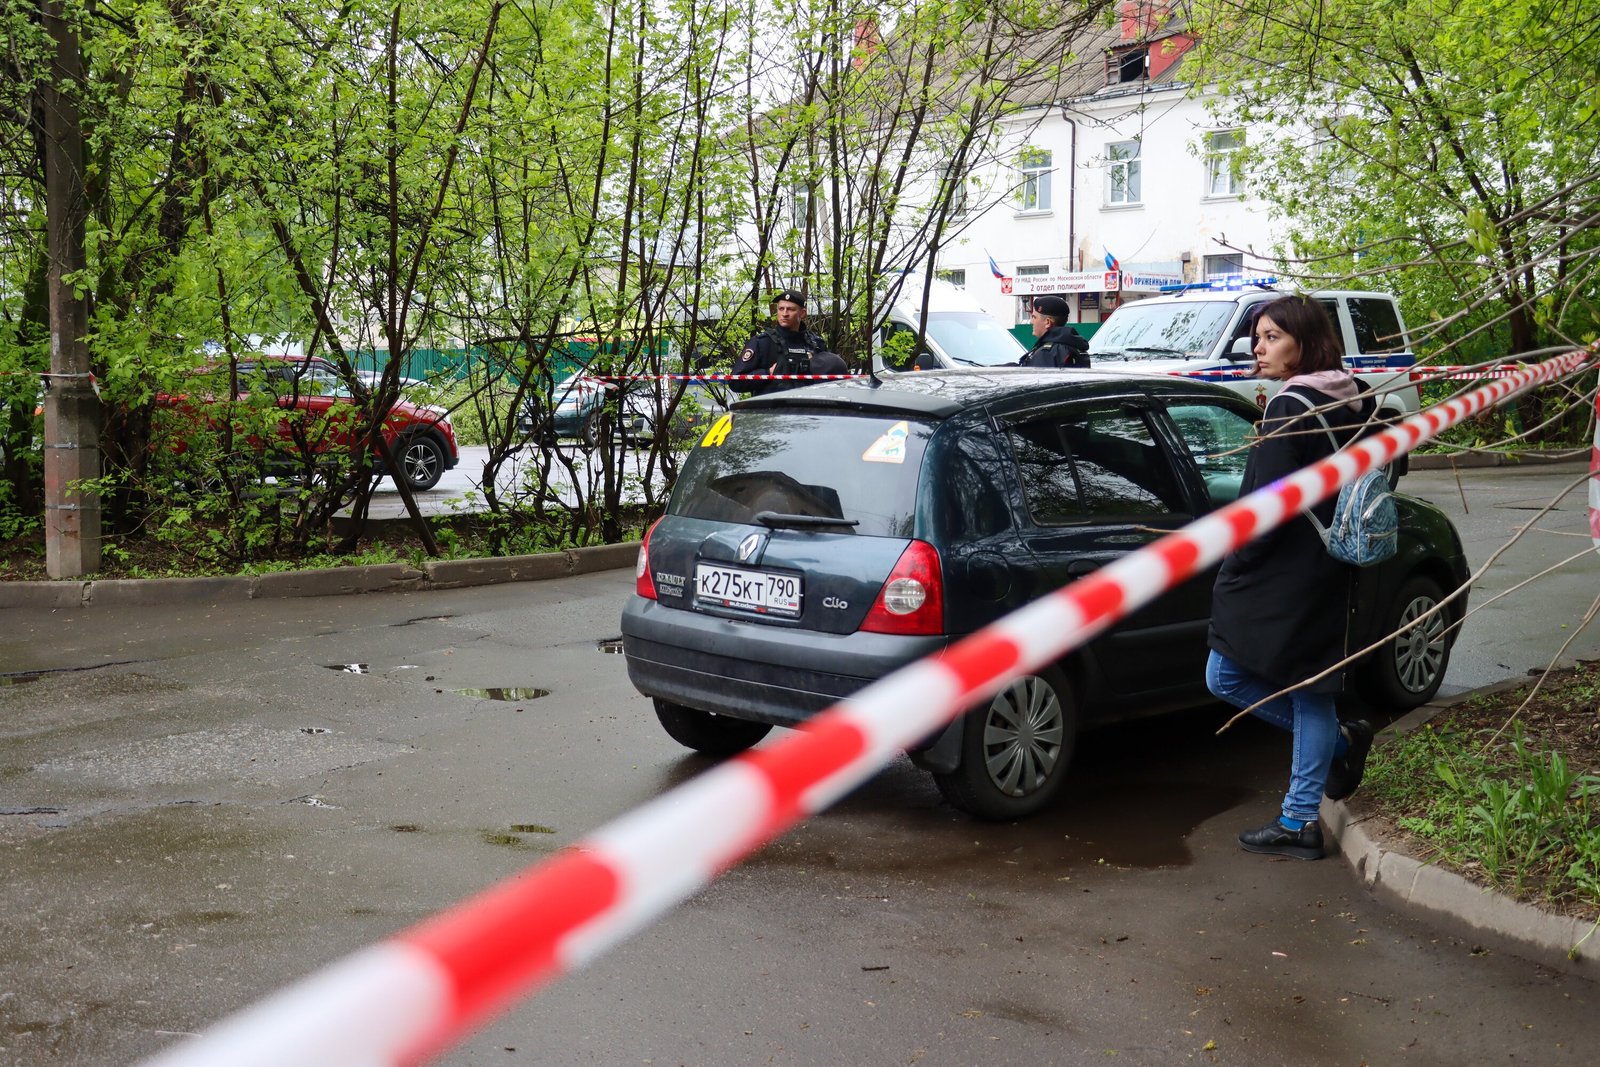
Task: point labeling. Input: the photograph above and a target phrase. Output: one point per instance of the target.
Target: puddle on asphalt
(505, 693)
(17, 679)
(314, 802)
(349, 668)
(611, 645)
(514, 838)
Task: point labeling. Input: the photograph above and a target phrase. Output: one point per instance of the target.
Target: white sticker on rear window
(891, 447)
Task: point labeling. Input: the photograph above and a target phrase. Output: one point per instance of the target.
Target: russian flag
(1111, 260)
(994, 268)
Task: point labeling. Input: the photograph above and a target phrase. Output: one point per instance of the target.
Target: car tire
(421, 462)
(707, 732)
(1014, 750)
(1405, 671)
(590, 430)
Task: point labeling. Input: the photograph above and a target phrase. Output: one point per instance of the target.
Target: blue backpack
(1366, 525)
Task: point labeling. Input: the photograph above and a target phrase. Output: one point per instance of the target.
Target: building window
(1122, 173)
(1222, 163)
(957, 278)
(1035, 166)
(800, 203)
(1128, 66)
(1025, 303)
(957, 184)
(1222, 266)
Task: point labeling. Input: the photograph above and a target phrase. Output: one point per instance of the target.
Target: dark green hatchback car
(817, 539)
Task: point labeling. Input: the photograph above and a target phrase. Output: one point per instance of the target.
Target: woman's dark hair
(1304, 319)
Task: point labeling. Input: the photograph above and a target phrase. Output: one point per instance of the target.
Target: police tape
(1415, 371)
(1594, 478)
(406, 999)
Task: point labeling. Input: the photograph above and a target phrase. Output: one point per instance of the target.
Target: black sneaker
(1274, 840)
(1344, 775)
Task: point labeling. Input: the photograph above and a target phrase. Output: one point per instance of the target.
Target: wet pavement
(200, 804)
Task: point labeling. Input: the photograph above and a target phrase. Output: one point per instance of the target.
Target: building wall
(1174, 225)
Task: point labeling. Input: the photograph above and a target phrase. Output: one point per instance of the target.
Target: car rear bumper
(751, 670)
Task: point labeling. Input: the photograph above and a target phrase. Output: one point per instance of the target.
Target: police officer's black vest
(792, 358)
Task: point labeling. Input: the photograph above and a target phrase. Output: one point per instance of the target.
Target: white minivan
(960, 333)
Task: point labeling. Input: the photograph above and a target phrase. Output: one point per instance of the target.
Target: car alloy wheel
(1406, 670)
(1015, 749)
(422, 463)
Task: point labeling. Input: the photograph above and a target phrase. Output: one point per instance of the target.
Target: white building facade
(1109, 193)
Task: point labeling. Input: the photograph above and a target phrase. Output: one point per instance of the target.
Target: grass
(1505, 790)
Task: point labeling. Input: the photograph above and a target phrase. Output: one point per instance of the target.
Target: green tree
(1448, 151)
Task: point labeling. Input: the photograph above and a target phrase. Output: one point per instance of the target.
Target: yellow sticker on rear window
(718, 432)
(891, 447)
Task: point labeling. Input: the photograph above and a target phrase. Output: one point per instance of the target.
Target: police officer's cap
(794, 296)
(1053, 306)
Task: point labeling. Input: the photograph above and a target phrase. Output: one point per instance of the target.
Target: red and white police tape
(1594, 478)
(408, 998)
(1416, 371)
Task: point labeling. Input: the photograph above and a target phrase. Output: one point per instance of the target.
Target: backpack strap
(1322, 530)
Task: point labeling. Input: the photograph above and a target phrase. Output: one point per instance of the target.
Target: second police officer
(1057, 344)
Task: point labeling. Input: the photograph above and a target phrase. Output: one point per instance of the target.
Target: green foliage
(1450, 153)
(1519, 816)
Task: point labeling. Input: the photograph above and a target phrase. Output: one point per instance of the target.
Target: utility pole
(71, 406)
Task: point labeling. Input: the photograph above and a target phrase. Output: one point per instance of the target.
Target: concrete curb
(1446, 899)
(1443, 461)
(330, 581)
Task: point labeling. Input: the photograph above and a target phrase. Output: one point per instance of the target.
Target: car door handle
(1079, 567)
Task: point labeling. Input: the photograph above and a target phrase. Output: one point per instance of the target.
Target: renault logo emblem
(749, 547)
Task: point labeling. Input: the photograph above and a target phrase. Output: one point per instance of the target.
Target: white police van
(1204, 330)
(959, 332)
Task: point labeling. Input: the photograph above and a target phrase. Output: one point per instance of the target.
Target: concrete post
(71, 406)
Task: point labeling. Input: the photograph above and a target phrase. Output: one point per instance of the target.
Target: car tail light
(643, 584)
(912, 599)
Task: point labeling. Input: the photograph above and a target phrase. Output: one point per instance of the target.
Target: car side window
(1093, 464)
(1218, 440)
(974, 506)
(1377, 326)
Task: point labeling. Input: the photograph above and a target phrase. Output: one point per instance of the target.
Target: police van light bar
(1228, 283)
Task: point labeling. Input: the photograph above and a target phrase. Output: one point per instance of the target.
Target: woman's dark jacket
(1281, 604)
(1061, 346)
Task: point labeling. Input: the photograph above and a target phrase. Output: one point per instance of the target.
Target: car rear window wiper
(775, 519)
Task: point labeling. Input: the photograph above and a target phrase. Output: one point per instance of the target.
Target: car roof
(1252, 293)
(941, 394)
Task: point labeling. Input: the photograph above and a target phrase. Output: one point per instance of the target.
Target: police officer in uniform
(785, 348)
(1056, 344)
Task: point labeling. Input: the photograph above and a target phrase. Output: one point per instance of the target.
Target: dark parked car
(583, 406)
(823, 537)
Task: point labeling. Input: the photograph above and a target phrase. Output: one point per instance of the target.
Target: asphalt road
(198, 806)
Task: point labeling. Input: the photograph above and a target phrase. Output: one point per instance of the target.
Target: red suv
(419, 437)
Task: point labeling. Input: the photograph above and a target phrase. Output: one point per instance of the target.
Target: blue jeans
(1311, 717)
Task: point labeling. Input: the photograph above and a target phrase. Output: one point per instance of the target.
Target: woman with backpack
(1281, 603)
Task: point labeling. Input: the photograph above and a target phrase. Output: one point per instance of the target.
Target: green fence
(1024, 333)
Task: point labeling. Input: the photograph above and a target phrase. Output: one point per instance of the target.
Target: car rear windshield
(827, 465)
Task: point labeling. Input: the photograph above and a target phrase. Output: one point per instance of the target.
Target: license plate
(761, 592)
